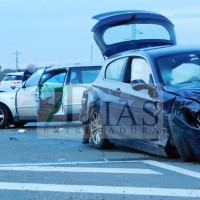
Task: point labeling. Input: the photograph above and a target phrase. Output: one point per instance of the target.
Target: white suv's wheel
(4, 116)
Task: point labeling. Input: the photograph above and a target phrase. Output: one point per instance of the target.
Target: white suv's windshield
(34, 79)
(180, 68)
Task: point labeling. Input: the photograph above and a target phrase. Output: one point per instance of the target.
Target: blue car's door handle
(118, 91)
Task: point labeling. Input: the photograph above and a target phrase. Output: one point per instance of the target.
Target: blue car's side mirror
(141, 85)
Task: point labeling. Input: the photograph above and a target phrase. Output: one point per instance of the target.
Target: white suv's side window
(57, 79)
(140, 70)
(115, 70)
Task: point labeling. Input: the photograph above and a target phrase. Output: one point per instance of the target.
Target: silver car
(51, 93)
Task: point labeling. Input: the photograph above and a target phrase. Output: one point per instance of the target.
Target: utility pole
(17, 59)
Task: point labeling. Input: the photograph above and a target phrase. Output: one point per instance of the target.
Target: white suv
(51, 93)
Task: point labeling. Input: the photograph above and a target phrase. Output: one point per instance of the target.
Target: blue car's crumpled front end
(185, 124)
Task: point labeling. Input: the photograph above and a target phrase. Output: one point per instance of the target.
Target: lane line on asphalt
(70, 163)
(172, 168)
(82, 170)
(150, 162)
(188, 193)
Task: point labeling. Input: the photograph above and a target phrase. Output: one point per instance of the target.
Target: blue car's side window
(115, 70)
(140, 70)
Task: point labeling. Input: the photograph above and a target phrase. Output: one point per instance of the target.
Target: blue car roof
(117, 16)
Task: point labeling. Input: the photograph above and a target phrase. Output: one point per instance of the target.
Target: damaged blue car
(147, 94)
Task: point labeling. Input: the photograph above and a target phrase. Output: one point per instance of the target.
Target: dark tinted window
(12, 77)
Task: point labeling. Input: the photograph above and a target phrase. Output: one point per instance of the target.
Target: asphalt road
(52, 163)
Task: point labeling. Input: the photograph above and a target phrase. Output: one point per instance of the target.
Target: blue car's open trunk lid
(120, 31)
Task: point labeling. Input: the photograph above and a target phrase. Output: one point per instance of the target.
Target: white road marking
(173, 168)
(150, 162)
(101, 189)
(45, 167)
(70, 163)
(80, 170)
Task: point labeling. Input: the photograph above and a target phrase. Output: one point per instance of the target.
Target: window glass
(52, 85)
(84, 75)
(115, 70)
(90, 76)
(34, 79)
(52, 79)
(18, 77)
(12, 77)
(135, 32)
(140, 70)
(180, 68)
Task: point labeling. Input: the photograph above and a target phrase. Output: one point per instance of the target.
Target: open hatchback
(120, 31)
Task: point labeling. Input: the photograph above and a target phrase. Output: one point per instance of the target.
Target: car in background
(147, 94)
(50, 92)
(13, 79)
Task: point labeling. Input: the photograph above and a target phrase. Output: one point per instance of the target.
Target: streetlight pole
(17, 59)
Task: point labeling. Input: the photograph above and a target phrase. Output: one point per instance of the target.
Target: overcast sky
(59, 31)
